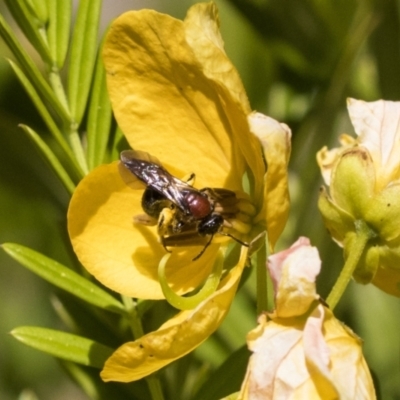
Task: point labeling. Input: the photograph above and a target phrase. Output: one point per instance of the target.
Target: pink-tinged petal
(294, 272)
(275, 139)
(318, 354)
(349, 370)
(313, 358)
(270, 343)
(377, 125)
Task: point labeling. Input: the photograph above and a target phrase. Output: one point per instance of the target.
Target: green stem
(58, 88)
(77, 148)
(137, 330)
(262, 288)
(73, 134)
(363, 235)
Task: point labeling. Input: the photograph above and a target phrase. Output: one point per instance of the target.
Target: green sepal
(99, 118)
(83, 56)
(63, 277)
(383, 213)
(337, 221)
(353, 182)
(64, 345)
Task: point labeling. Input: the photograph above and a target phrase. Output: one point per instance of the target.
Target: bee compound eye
(210, 225)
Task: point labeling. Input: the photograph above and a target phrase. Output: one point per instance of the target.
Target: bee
(183, 212)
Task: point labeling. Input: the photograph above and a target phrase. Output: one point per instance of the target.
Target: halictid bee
(184, 214)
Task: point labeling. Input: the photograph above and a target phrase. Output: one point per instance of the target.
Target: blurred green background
(299, 61)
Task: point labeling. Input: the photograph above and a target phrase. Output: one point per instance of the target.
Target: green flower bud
(364, 193)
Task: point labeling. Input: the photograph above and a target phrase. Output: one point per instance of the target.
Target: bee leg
(204, 249)
(164, 245)
(164, 221)
(235, 239)
(189, 179)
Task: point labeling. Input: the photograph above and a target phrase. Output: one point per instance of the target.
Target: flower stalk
(262, 287)
(135, 324)
(363, 234)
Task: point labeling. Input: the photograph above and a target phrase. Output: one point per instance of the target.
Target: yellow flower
(176, 96)
(364, 192)
(303, 351)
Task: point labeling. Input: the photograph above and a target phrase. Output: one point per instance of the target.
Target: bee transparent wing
(148, 170)
(140, 155)
(130, 179)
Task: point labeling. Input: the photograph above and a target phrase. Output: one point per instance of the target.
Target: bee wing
(130, 179)
(148, 170)
(139, 155)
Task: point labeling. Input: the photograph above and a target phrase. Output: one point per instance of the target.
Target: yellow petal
(202, 34)
(177, 337)
(275, 139)
(122, 255)
(163, 101)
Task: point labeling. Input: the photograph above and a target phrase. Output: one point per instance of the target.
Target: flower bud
(364, 190)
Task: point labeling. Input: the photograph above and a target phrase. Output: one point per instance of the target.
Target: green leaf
(51, 158)
(99, 119)
(31, 25)
(83, 56)
(39, 8)
(58, 30)
(89, 381)
(227, 378)
(64, 345)
(47, 118)
(63, 277)
(99, 325)
(83, 378)
(119, 144)
(31, 70)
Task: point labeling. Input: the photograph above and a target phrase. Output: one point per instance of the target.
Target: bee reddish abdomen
(198, 205)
